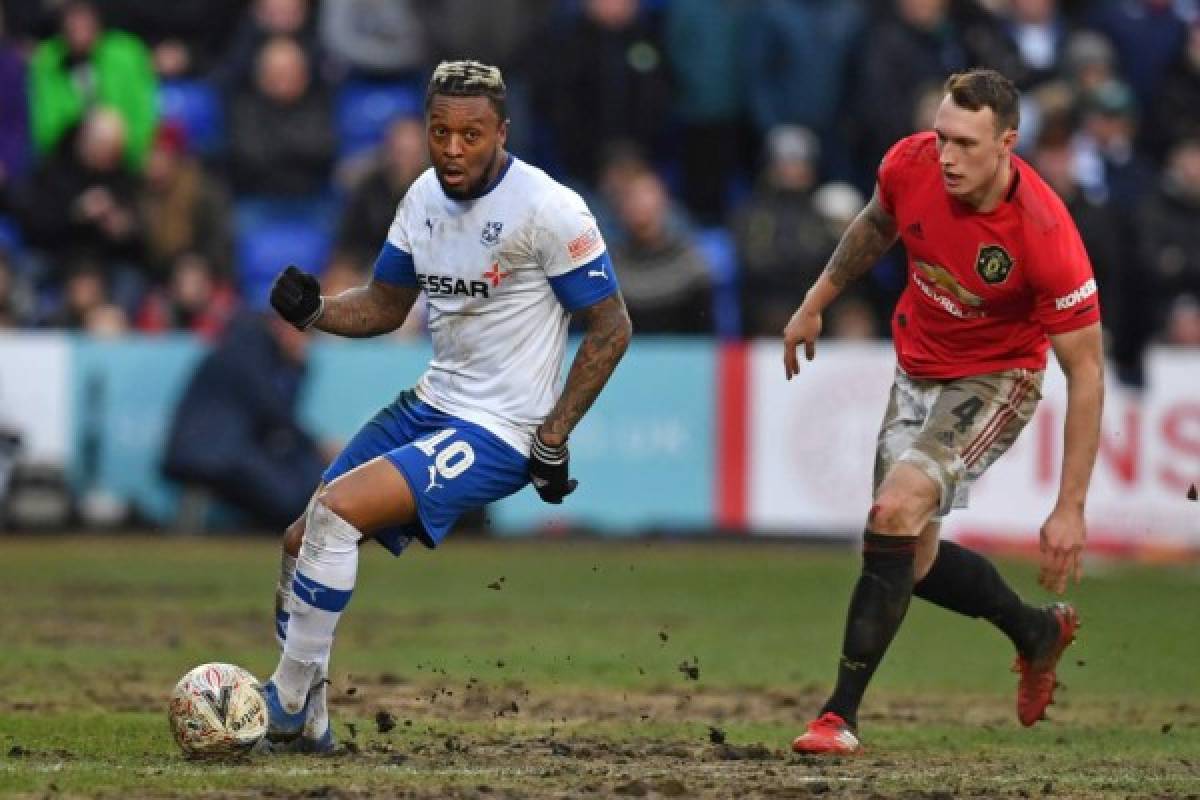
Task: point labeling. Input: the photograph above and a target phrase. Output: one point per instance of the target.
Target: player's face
(466, 136)
(971, 151)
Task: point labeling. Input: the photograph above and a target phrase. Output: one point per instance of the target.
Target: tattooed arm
(367, 310)
(869, 236)
(607, 335)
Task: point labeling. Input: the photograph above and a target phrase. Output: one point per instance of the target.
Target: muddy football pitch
(555, 669)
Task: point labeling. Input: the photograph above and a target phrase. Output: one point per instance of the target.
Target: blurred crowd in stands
(160, 161)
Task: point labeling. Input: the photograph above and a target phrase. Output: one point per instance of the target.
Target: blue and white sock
(325, 573)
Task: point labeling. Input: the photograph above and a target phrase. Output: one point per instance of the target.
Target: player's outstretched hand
(1062, 539)
(296, 295)
(548, 470)
(803, 328)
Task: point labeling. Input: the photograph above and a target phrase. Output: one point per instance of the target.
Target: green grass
(588, 638)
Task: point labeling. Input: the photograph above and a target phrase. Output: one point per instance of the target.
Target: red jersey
(983, 289)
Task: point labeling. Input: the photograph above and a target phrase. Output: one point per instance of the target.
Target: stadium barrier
(691, 436)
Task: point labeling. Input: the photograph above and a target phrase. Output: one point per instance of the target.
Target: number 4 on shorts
(966, 411)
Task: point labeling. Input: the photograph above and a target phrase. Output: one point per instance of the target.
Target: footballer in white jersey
(501, 275)
(505, 256)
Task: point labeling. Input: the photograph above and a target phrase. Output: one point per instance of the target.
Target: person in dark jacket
(603, 79)
(1176, 109)
(282, 136)
(236, 432)
(372, 204)
(81, 205)
(1169, 237)
(664, 276)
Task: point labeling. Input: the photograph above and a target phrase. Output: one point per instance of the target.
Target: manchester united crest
(993, 263)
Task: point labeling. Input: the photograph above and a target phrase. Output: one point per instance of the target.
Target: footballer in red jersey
(997, 275)
(985, 287)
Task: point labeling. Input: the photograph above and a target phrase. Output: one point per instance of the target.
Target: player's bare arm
(1081, 357)
(869, 236)
(606, 338)
(370, 310)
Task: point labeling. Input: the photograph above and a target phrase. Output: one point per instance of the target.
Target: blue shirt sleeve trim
(394, 266)
(587, 284)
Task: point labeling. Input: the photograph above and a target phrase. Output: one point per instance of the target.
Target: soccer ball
(217, 710)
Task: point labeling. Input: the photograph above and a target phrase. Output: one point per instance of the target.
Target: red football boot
(828, 734)
(1035, 689)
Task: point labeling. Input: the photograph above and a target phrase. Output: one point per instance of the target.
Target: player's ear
(502, 133)
(1008, 140)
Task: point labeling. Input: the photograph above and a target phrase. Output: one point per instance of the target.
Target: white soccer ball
(217, 710)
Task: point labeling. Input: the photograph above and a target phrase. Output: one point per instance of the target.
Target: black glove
(296, 295)
(548, 470)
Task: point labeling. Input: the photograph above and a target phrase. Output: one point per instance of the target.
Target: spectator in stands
(1176, 110)
(81, 204)
(1109, 165)
(1039, 31)
(621, 165)
(918, 44)
(664, 278)
(372, 205)
(86, 304)
(182, 209)
(1089, 62)
(1148, 35)
(14, 110)
(86, 67)
(782, 242)
(1109, 237)
(15, 296)
(265, 21)
(797, 58)
(853, 319)
(236, 431)
(1183, 322)
(26, 21)
(600, 80)
(195, 299)
(282, 139)
(377, 39)
(187, 37)
(902, 54)
(703, 41)
(497, 32)
(1170, 233)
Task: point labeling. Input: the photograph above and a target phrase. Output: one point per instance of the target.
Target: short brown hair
(980, 88)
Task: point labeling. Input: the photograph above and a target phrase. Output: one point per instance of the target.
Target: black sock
(961, 580)
(877, 608)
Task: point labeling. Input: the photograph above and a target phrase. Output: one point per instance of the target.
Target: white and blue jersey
(501, 274)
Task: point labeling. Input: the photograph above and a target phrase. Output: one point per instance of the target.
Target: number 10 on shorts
(452, 460)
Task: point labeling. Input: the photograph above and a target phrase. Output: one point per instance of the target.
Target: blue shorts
(452, 466)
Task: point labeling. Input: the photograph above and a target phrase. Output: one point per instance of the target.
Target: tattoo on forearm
(869, 236)
(607, 338)
(366, 311)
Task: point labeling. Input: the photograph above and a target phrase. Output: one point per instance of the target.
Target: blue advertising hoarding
(643, 454)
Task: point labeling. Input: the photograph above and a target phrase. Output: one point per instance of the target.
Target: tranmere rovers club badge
(993, 263)
(491, 233)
